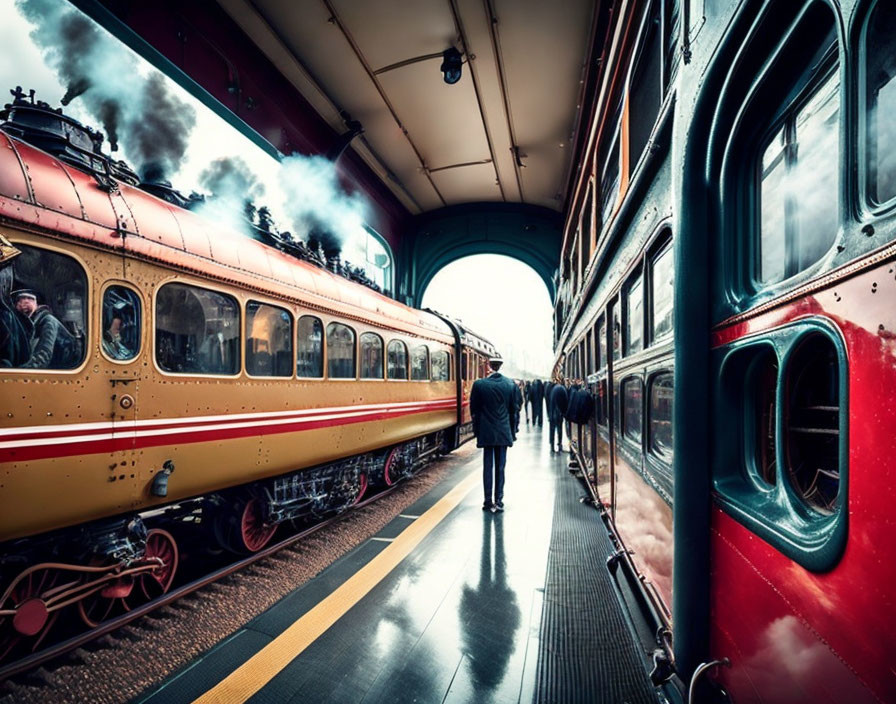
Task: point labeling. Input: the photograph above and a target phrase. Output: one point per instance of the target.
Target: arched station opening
(504, 300)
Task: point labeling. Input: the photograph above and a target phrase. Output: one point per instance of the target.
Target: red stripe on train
(125, 444)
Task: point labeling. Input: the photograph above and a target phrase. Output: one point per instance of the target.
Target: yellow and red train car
(209, 378)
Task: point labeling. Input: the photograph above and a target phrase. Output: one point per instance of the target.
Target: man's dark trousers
(556, 427)
(493, 460)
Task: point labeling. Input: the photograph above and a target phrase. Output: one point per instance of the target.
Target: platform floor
(446, 604)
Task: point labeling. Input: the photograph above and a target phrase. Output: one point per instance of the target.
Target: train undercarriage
(102, 569)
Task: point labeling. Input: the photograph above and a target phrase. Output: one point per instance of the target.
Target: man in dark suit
(495, 407)
(537, 402)
(557, 405)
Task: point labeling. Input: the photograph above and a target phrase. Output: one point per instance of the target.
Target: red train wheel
(389, 467)
(255, 533)
(31, 622)
(129, 591)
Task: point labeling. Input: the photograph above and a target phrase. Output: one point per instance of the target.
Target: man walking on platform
(558, 402)
(495, 407)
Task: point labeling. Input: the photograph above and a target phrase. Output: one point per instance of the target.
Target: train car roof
(42, 192)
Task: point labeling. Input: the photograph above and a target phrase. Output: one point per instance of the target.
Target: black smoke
(138, 111)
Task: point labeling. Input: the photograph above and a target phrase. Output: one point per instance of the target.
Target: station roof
(502, 133)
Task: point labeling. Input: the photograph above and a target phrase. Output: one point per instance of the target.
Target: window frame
(293, 332)
(776, 513)
(88, 295)
(864, 165)
(155, 328)
(356, 366)
(361, 376)
(636, 277)
(428, 368)
(447, 368)
(323, 348)
(141, 339)
(407, 360)
(663, 244)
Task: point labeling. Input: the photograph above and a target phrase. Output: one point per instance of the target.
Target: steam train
(742, 448)
(217, 381)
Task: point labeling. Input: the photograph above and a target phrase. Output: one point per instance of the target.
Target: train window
(646, 90)
(671, 30)
(310, 348)
(813, 422)
(47, 329)
(398, 360)
(268, 340)
(121, 323)
(602, 343)
(589, 349)
(634, 314)
(197, 331)
(371, 356)
(609, 188)
(600, 405)
(420, 363)
(799, 175)
(464, 365)
(662, 284)
(617, 331)
(880, 102)
(761, 394)
(631, 409)
(441, 365)
(340, 351)
(660, 416)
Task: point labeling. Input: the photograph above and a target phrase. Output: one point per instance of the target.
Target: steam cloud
(234, 189)
(316, 204)
(152, 124)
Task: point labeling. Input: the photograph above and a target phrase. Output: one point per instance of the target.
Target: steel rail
(34, 660)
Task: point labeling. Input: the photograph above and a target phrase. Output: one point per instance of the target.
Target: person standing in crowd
(527, 399)
(14, 348)
(537, 402)
(495, 407)
(558, 402)
(52, 346)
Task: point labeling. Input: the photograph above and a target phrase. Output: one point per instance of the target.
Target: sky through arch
(505, 301)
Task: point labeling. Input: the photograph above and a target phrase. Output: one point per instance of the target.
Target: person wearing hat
(495, 406)
(14, 348)
(52, 346)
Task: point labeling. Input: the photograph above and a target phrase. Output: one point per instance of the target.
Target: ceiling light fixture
(452, 65)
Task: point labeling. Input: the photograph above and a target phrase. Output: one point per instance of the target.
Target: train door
(121, 322)
(614, 340)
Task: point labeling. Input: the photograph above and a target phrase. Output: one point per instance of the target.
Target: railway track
(52, 652)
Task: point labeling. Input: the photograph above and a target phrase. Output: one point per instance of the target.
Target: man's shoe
(487, 506)
(498, 508)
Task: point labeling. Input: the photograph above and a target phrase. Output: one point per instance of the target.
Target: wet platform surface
(446, 604)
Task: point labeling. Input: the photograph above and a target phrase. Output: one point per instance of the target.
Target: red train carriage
(760, 186)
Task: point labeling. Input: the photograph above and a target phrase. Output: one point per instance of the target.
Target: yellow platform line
(262, 667)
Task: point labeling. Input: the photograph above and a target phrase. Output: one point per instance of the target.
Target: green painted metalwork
(531, 234)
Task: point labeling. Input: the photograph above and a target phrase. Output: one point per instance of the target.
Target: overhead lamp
(452, 65)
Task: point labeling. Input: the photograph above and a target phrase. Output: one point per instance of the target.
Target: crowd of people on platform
(564, 400)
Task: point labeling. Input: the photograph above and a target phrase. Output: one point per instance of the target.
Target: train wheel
(29, 625)
(239, 525)
(390, 468)
(254, 532)
(129, 591)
